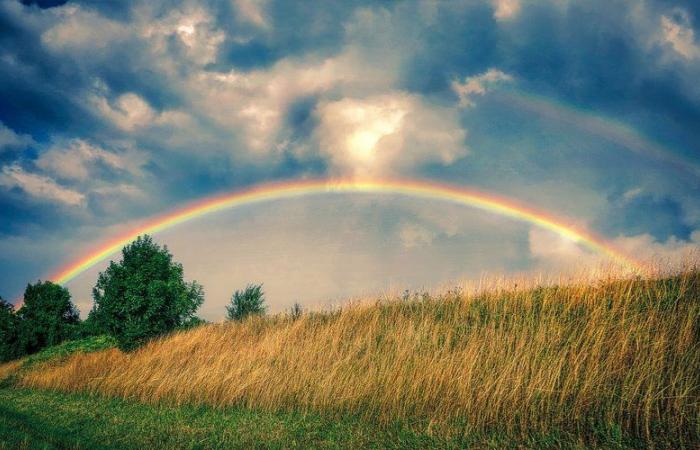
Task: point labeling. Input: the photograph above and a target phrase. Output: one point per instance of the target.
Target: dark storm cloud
(44, 3)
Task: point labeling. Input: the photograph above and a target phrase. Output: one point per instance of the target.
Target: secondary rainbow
(293, 189)
(606, 127)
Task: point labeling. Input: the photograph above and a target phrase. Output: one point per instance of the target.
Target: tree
(10, 342)
(295, 311)
(250, 301)
(48, 316)
(144, 295)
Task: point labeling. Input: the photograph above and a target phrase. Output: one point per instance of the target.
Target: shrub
(47, 317)
(144, 295)
(250, 301)
(295, 311)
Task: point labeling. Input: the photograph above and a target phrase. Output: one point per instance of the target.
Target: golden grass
(9, 369)
(570, 357)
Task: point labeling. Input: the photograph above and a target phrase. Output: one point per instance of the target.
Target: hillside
(587, 360)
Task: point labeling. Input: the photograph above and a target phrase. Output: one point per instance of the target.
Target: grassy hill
(613, 364)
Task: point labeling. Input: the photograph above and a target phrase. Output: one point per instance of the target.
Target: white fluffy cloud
(254, 104)
(677, 32)
(39, 186)
(76, 158)
(387, 133)
(129, 111)
(79, 29)
(192, 27)
(478, 85)
(671, 253)
(554, 252)
(252, 11)
(505, 9)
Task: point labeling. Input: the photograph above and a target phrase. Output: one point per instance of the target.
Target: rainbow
(294, 189)
(612, 130)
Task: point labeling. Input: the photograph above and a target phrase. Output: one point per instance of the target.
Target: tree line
(136, 299)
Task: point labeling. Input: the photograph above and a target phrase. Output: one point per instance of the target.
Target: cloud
(138, 106)
(78, 159)
(505, 9)
(670, 253)
(39, 186)
(677, 32)
(415, 235)
(193, 28)
(11, 140)
(129, 111)
(478, 85)
(78, 29)
(387, 134)
(252, 11)
(253, 105)
(553, 252)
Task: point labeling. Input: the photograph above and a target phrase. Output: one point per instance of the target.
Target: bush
(295, 311)
(250, 301)
(47, 317)
(144, 295)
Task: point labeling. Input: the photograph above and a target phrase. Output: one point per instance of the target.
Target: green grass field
(35, 419)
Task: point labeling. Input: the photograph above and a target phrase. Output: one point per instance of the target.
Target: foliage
(67, 348)
(249, 302)
(89, 327)
(295, 311)
(48, 317)
(144, 295)
(10, 340)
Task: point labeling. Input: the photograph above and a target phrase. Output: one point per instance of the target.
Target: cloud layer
(114, 112)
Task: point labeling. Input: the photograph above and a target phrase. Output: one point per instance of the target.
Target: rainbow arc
(294, 189)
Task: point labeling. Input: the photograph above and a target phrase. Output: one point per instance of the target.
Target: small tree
(295, 311)
(250, 301)
(48, 316)
(144, 295)
(10, 342)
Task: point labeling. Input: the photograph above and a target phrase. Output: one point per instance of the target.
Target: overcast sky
(113, 112)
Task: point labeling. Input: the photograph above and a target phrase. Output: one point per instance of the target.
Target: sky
(112, 113)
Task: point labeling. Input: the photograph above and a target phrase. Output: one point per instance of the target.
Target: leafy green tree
(144, 295)
(90, 327)
(250, 301)
(10, 341)
(48, 317)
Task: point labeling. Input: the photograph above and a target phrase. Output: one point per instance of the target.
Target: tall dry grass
(570, 358)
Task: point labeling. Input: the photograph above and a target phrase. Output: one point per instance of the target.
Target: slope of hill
(616, 358)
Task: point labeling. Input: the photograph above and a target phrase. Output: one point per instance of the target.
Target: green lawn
(46, 420)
